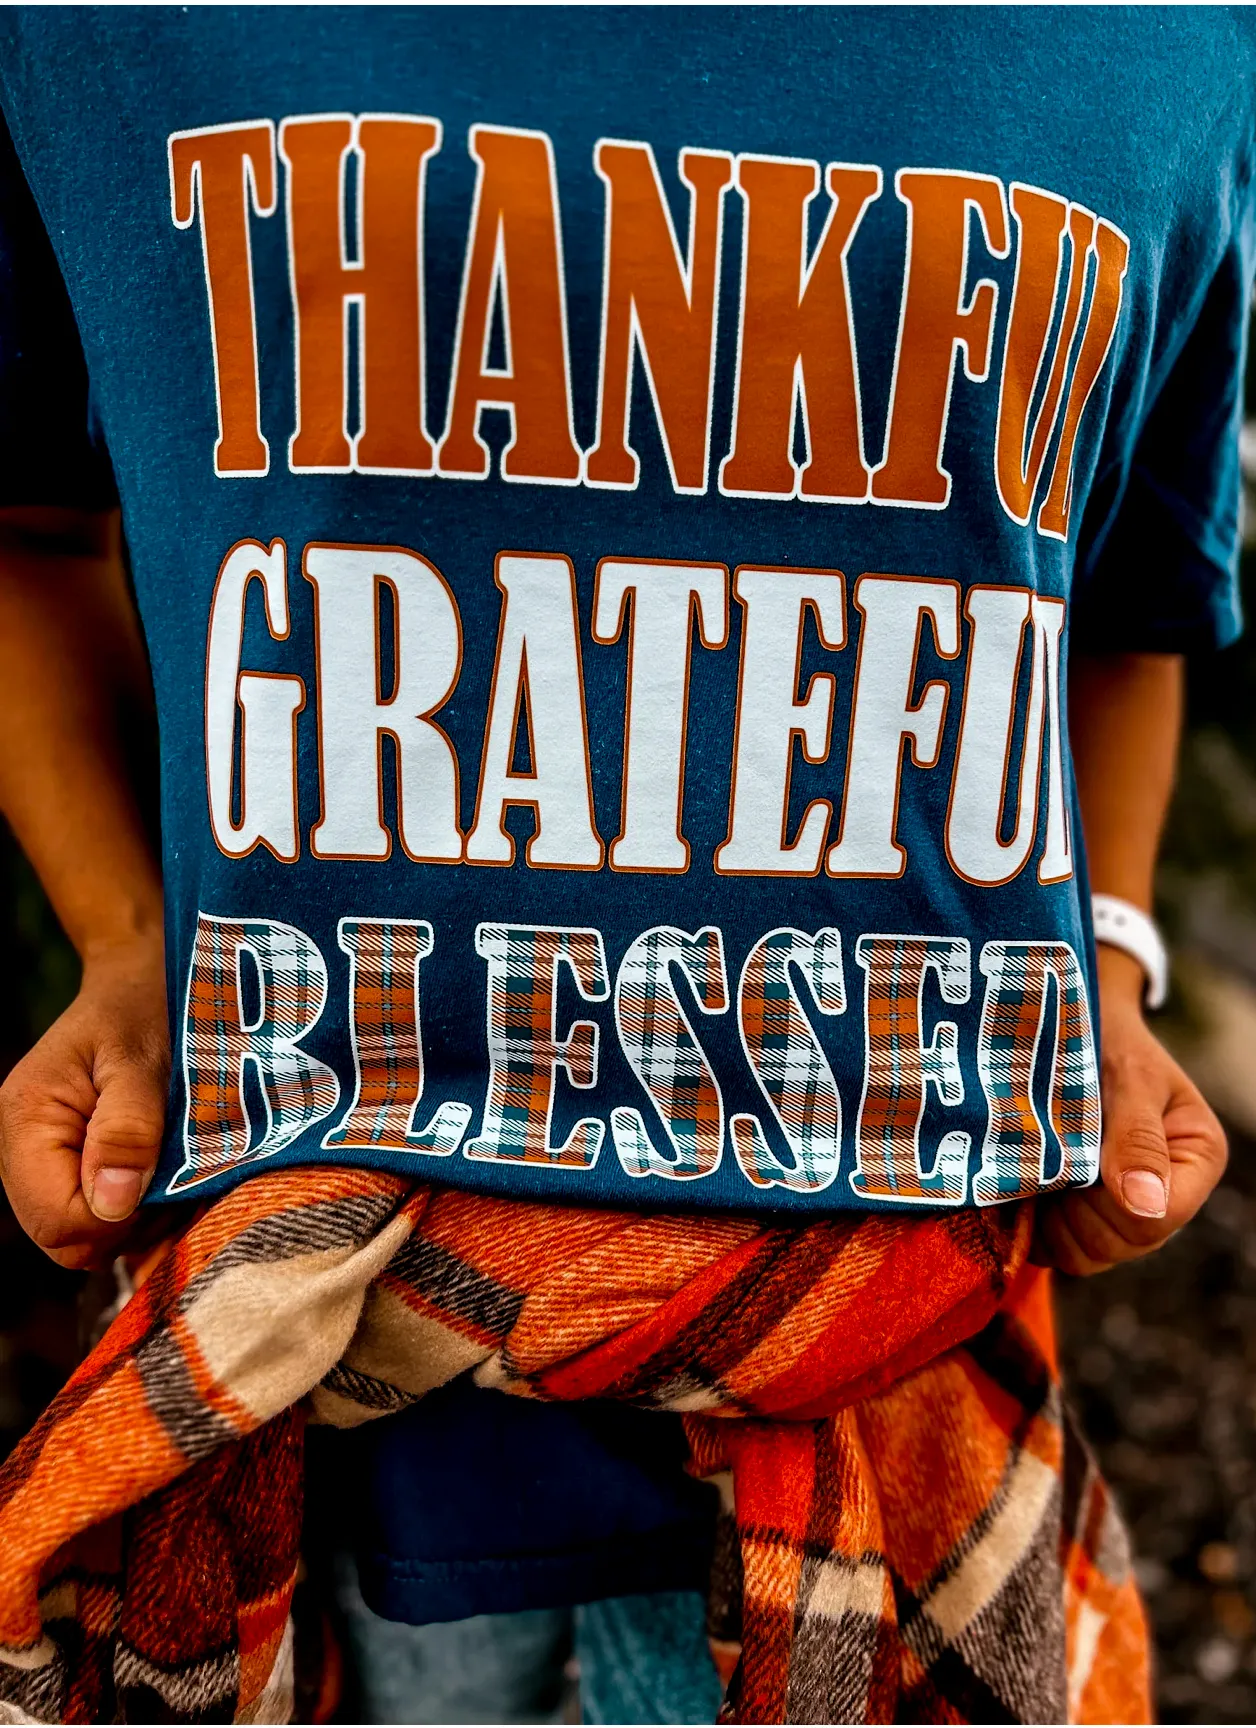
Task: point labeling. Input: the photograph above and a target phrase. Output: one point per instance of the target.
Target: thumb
(1136, 1163)
(123, 1140)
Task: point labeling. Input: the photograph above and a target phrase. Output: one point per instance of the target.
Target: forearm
(74, 703)
(1125, 719)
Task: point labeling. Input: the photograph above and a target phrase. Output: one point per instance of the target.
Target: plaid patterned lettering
(659, 1042)
(900, 1065)
(524, 1047)
(297, 1088)
(1013, 1154)
(384, 957)
(788, 1062)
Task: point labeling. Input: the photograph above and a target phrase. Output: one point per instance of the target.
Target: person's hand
(81, 1115)
(1163, 1149)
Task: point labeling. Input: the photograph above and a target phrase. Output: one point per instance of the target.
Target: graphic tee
(611, 494)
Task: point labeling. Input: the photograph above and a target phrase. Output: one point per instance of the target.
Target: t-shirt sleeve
(1161, 573)
(51, 452)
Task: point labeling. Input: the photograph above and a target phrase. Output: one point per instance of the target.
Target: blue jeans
(636, 1659)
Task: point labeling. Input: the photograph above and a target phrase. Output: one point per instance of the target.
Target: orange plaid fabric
(914, 1533)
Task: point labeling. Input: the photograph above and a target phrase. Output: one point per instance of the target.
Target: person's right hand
(81, 1115)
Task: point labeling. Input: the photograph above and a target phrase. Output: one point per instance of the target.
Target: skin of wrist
(140, 954)
(1122, 982)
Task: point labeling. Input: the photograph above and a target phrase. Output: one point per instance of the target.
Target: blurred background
(1160, 1357)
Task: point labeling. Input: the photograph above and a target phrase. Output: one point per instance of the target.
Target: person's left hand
(1164, 1150)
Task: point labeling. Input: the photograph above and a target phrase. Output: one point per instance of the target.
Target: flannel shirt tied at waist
(914, 1533)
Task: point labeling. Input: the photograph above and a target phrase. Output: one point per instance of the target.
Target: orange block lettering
(935, 321)
(1112, 256)
(224, 169)
(667, 307)
(385, 281)
(513, 256)
(797, 338)
(1040, 220)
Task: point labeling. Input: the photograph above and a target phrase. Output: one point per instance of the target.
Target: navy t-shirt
(611, 496)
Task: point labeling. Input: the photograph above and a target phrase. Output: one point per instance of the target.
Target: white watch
(1122, 925)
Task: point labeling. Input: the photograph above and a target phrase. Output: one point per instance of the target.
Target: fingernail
(1144, 1193)
(115, 1192)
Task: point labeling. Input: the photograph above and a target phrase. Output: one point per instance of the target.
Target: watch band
(1122, 925)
